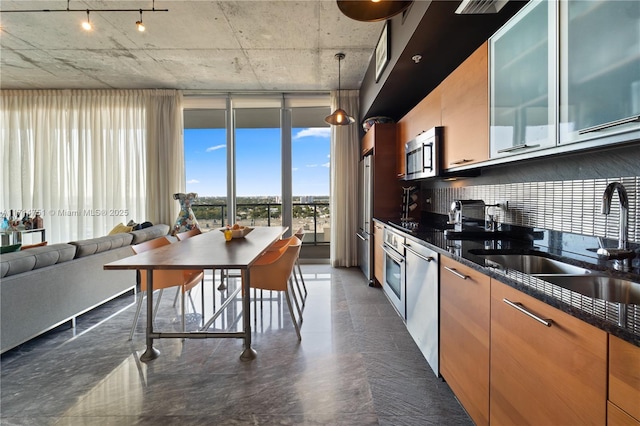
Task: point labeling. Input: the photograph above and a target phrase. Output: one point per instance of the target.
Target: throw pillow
(10, 249)
(120, 228)
(44, 243)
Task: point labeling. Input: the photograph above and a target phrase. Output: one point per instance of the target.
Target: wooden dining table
(205, 251)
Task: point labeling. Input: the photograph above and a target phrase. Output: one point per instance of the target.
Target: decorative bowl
(368, 122)
(240, 232)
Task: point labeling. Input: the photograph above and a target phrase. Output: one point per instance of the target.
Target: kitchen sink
(532, 264)
(599, 287)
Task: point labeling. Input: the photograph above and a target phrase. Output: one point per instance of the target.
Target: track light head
(86, 25)
(139, 23)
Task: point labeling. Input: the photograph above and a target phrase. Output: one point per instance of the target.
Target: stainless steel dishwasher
(422, 297)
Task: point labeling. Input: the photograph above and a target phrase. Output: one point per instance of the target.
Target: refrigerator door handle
(360, 236)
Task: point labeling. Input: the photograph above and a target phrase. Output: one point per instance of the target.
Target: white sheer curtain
(80, 157)
(345, 153)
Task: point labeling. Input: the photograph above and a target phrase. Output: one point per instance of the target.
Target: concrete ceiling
(196, 45)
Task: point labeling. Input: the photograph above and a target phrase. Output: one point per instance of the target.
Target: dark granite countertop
(578, 250)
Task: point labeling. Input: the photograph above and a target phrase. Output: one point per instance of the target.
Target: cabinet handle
(517, 147)
(547, 322)
(456, 273)
(464, 160)
(609, 124)
(360, 236)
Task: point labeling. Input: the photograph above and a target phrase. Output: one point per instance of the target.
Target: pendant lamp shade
(372, 10)
(339, 117)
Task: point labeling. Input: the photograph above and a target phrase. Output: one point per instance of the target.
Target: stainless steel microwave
(422, 154)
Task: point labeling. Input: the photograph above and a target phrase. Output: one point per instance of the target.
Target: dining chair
(283, 242)
(184, 279)
(188, 234)
(273, 272)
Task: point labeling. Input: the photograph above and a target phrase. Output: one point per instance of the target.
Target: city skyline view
(258, 162)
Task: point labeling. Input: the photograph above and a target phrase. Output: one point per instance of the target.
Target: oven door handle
(392, 254)
(415, 253)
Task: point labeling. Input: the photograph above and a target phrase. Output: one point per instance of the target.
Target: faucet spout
(624, 210)
(622, 256)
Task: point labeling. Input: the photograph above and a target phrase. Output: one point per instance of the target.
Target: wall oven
(394, 270)
(422, 155)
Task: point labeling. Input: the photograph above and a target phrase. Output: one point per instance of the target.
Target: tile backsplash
(567, 206)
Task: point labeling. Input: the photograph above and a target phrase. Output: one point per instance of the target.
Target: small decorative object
(228, 233)
(38, 223)
(186, 220)
(368, 122)
(27, 221)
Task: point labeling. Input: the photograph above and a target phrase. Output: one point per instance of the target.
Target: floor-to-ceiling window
(205, 146)
(260, 160)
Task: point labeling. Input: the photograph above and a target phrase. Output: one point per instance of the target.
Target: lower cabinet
(547, 367)
(464, 336)
(624, 383)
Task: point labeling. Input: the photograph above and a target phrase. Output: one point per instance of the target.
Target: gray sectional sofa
(43, 287)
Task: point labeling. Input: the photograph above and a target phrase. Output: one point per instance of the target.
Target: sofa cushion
(149, 233)
(100, 244)
(120, 228)
(35, 258)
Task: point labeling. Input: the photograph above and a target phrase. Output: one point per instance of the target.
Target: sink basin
(532, 264)
(599, 287)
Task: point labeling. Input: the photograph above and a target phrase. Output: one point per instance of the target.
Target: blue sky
(258, 161)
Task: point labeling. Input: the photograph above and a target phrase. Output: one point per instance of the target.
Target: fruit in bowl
(237, 231)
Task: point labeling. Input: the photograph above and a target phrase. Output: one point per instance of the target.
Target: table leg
(150, 353)
(249, 353)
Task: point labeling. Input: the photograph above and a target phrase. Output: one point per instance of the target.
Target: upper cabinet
(522, 112)
(565, 72)
(424, 116)
(464, 107)
(599, 69)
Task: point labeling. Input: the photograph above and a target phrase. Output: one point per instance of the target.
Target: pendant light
(372, 10)
(339, 116)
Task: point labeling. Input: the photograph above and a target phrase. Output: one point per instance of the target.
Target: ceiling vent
(475, 7)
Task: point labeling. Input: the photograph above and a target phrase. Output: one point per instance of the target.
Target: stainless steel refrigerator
(365, 206)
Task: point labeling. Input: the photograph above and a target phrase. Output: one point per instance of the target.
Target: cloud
(294, 169)
(311, 165)
(315, 132)
(193, 181)
(326, 165)
(216, 147)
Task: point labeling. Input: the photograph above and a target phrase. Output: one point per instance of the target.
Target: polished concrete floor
(356, 365)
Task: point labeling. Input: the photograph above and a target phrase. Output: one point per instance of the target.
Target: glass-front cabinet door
(523, 81)
(599, 69)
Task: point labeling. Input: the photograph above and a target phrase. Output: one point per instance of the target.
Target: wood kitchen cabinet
(386, 189)
(465, 111)
(464, 336)
(424, 116)
(378, 253)
(544, 374)
(624, 383)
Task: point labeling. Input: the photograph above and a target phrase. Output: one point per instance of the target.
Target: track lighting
(139, 23)
(86, 25)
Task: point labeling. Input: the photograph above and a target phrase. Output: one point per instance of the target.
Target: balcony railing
(313, 218)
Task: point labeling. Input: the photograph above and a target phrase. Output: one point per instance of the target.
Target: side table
(10, 237)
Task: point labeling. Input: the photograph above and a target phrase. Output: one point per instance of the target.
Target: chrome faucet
(622, 255)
